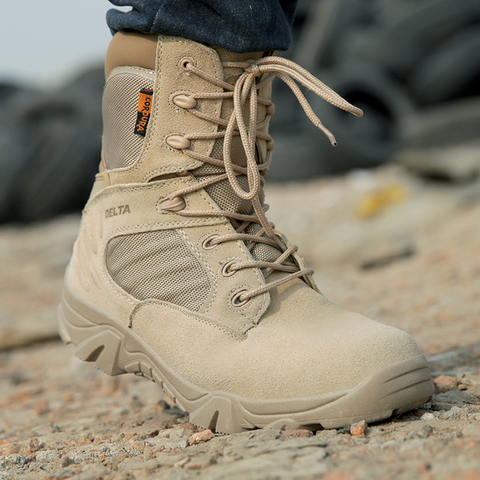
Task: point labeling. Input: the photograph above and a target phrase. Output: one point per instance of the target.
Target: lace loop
(255, 75)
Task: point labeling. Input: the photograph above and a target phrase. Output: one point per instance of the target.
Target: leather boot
(178, 276)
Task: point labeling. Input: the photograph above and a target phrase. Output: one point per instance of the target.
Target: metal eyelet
(184, 62)
(235, 300)
(227, 271)
(207, 243)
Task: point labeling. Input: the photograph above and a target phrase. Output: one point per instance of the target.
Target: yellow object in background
(376, 201)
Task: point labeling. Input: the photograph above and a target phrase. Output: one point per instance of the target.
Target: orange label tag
(144, 110)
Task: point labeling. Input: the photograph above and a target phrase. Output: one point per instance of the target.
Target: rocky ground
(384, 243)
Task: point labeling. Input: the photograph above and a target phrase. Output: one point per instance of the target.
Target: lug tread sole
(115, 349)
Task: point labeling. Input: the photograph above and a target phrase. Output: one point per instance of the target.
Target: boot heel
(103, 349)
(94, 343)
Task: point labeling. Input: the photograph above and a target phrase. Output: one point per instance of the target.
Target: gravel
(60, 418)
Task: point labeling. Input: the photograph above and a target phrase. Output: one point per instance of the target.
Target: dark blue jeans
(237, 25)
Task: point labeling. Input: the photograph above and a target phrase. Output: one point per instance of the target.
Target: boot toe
(312, 346)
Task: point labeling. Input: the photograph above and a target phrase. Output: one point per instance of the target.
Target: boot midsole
(115, 349)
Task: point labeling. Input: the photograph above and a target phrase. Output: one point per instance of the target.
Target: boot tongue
(222, 192)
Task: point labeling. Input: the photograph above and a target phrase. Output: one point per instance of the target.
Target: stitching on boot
(84, 240)
(130, 69)
(163, 170)
(154, 118)
(218, 73)
(119, 292)
(198, 317)
(206, 264)
(162, 226)
(241, 310)
(220, 276)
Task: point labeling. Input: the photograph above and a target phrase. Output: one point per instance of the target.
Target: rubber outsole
(115, 349)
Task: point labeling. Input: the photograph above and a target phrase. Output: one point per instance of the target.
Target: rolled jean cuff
(236, 25)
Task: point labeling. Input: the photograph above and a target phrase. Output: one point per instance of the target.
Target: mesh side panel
(239, 156)
(217, 150)
(158, 265)
(222, 193)
(120, 103)
(262, 252)
(207, 169)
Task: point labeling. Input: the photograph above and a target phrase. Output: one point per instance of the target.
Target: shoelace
(246, 87)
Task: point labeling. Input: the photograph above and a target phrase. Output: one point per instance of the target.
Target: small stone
(34, 445)
(66, 461)
(424, 467)
(301, 432)
(358, 429)
(201, 437)
(9, 448)
(444, 383)
(453, 414)
(118, 437)
(464, 384)
(428, 429)
(162, 405)
(14, 461)
(47, 456)
(454, 397)
(426, 417)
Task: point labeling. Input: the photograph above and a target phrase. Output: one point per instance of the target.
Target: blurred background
(402, 173)
(413, 66)
(399, 175)
(390, 219)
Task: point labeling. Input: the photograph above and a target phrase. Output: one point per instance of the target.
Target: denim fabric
(237, 25)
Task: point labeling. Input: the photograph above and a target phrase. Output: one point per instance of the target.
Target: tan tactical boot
(178, 276)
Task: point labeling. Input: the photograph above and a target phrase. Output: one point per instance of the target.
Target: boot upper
(203, 272)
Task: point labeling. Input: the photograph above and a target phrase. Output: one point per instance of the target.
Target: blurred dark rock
(408, 64)
(450, 71)
(445, 124)
(49, 147)
(457, 163)
(413, 66)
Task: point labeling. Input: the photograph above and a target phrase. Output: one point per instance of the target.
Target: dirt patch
(60, 418)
